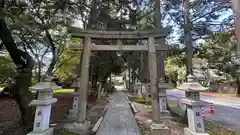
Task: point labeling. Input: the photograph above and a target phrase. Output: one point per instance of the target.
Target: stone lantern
(164, 113)
(194, 104)
(139, 89)
(73, 112)
(43, 105)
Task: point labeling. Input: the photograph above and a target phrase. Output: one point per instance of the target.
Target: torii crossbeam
(88, 46)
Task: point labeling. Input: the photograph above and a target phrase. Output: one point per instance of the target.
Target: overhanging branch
(7, 40)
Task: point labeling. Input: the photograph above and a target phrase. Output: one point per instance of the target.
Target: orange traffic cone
(203, 115)
(212, 109)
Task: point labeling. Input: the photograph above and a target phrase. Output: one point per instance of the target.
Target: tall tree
(236, 6)
(218, 51)
(24, 63)
(25, 25)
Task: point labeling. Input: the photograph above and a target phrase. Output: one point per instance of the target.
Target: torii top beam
(156, 33)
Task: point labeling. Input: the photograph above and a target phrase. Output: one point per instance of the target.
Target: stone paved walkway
(119, 119)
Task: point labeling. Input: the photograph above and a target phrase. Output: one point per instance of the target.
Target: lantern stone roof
(45, 86)
(192, 85)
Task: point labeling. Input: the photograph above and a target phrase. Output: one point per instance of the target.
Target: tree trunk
(133, 76)
(24, 96)
(94, 77)
(144, 75)
(54, 54)
(188, 37)
(236, 9)
(105, 86)
(39, 74)
(129, 78)
(19, 89)
(238, 87)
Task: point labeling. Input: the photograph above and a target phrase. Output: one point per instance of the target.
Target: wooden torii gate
(88, 46)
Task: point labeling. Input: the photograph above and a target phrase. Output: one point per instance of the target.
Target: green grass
(142, 100)
(57, 91)
(176, 109)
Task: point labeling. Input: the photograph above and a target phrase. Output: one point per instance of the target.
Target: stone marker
(139, 90)
(43, 107)
(135, 88)
(100, 88)
(194, 104)
(73, 112)
(164, 113)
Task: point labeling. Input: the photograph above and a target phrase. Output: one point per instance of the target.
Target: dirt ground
(176, 126)
(10, 115)
(143, 117)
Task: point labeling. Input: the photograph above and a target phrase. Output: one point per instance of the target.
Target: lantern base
(72, 114)
(78, 128)
(46, 132)
(187, 131)
(165, 115)
(159, 129)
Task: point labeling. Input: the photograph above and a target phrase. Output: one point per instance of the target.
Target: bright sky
(175, 34)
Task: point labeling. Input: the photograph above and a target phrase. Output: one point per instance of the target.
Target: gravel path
(144, 119)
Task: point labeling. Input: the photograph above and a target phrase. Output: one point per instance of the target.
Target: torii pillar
(164, 113)
(157, 127)
(80, 126)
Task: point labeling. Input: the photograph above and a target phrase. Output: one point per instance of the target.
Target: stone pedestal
(135, 88)
(139, 91)
(126, 83)
(187, 131)
(78, 128)
(49, 131)
(159, 129)
(195, 119)
(164, 113)
(162, 85)
(100, 87)
(145, 91)
(73, 112)
(145, 88)
(194, 105)
(43, 108)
